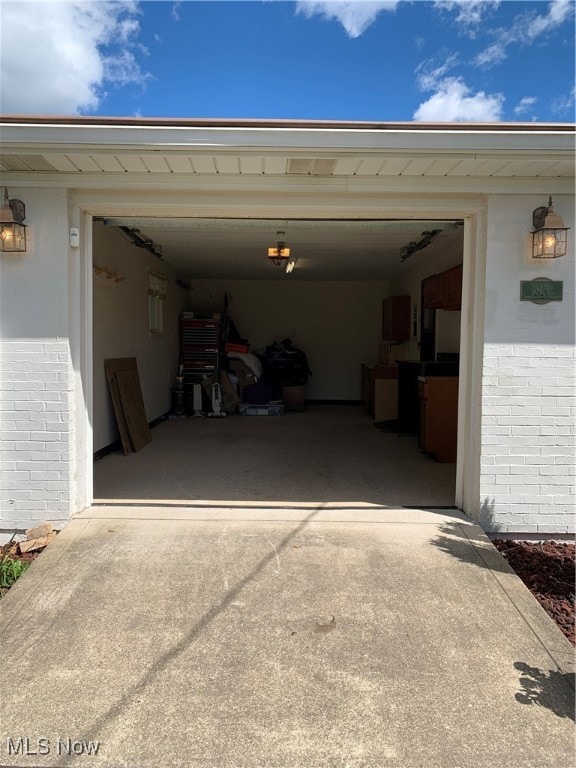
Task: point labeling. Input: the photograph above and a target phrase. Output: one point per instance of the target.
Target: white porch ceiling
(324, 249)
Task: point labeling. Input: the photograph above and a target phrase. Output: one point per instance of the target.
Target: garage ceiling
(201, 248)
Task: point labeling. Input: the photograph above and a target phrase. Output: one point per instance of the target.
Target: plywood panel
(122, 375)
(112, 366)
(133, 406)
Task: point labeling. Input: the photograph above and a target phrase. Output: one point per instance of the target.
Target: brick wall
(36, 398)
(528, 438)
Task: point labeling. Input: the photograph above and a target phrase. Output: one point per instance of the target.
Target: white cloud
(564, 105)
(176, 10)
(489, 57)
(525, 30)
(471, 13)
(354, 15)
(524, 105)
(534, 25)
(429, 74)
(454, 102)
(56, 57)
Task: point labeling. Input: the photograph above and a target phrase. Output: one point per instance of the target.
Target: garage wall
(121, 328)
(337, 324)
(528, 405)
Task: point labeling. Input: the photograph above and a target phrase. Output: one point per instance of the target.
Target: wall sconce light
(279, 255)
(12, 231)
(549, 236)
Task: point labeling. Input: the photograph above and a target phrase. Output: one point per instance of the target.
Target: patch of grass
(10, 569)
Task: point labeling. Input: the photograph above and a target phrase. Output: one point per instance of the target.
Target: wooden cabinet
(433, 292)
(396, 318)
(439, 416)
(409, 373)
(380, 391)
(444, 290)
(453, 288)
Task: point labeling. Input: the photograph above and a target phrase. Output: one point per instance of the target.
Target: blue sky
(394, 60)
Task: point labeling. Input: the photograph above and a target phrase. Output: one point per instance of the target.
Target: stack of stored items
(271, 377)
(244, 375)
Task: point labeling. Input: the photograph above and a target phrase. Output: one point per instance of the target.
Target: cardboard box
(229, 397)
(293, 398)
(243, 374)
(237, 365)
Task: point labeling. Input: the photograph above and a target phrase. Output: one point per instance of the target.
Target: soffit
(199, 163)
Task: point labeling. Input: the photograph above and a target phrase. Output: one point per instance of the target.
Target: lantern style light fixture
(12, 231)
(279, 255)
(549, 237)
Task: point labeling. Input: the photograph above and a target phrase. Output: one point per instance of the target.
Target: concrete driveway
(296, 637)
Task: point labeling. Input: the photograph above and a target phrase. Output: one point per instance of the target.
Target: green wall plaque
(541, 290)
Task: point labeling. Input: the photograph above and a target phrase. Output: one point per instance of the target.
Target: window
(157, 290)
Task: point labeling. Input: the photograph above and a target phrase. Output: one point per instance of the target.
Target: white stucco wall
(36, 375)
(337, 324)
(528, 418)
(121, 328)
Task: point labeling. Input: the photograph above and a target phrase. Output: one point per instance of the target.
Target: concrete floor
(325, 638)
(326, 454)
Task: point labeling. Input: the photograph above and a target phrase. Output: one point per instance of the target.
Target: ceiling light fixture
(549, 236)
(280, 254)
(412, 247)
(290, 266)
(12, 231)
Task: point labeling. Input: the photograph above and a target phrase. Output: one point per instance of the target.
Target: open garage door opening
(373, 305)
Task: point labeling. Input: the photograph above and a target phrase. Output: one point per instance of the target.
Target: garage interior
(373, 305)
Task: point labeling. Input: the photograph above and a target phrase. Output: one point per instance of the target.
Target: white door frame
(472, 212)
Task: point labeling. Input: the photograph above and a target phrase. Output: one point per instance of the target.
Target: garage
(359, 205)
(352, 302)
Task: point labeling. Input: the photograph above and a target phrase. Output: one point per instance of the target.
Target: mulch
(547, 569)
